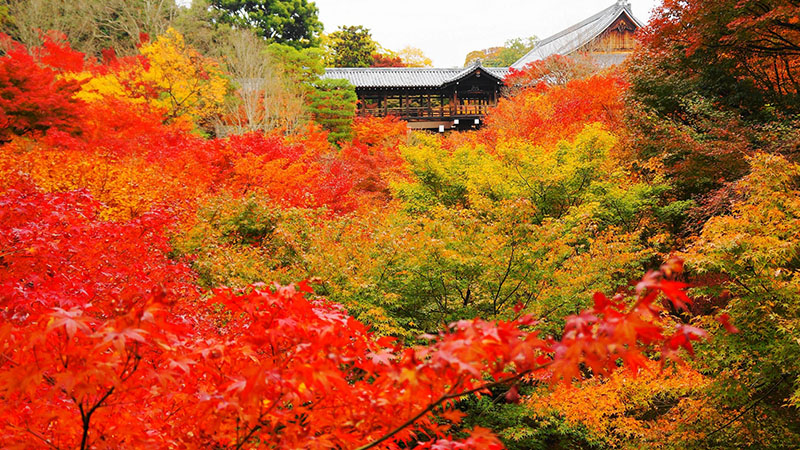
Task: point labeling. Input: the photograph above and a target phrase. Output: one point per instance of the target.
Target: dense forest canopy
(202, 245)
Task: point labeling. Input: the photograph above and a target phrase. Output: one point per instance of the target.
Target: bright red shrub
(386, 131)
(92, 317)
(545, 115)
(33, 99)
(56, 53)
(57, 253)
(290, 174)
(373, 155)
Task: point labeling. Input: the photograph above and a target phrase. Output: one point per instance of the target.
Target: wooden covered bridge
(444, 99)
(426, 97)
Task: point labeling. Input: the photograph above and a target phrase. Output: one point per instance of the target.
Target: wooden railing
(425, 112)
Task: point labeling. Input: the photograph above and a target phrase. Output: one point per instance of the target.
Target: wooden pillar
(399, 104)
(428, 105)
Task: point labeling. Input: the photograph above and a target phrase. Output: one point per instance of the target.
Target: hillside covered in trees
(202, 246)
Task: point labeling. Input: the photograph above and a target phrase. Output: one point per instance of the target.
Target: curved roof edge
(571, 39)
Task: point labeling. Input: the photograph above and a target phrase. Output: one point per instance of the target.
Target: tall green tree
(333, 105)
(303, 67)
(293, 22)
(350, 46)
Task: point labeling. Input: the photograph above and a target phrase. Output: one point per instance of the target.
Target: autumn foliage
(480, 290)
(104, 338)
(87, 300)
(544, 114)
(33, 99)
(756, 43)
(133, 152)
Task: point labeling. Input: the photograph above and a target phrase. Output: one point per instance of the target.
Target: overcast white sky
(446, 30)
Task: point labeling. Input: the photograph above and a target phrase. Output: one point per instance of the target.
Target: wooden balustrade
(428, 112)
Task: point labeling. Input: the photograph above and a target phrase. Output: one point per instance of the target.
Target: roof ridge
(608, 14)
(432, 77)
(579, 25)
(355, 69)
(467, 70)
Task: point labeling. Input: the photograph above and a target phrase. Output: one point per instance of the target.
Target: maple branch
(86, 416)
(250, 434)
(12, 252)
(443, 399)
(258, 426)
(752, 405)
(42, 438)
(504, 278)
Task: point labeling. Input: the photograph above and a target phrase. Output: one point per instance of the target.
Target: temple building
(607, 38)
(426, 97)
(443, 99)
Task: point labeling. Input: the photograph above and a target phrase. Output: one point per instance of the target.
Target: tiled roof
(407, 76)
(578, 35)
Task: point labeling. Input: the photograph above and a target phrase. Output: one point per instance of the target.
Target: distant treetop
(292, 22)
(513, 50)
(350, 46)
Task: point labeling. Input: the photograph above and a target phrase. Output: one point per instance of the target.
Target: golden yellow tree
(171, 76)
(413, 57)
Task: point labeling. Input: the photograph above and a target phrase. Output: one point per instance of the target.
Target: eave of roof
(408, 77)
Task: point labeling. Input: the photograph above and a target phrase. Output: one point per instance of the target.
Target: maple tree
(546, 114)
(85, 301)
(284, 172)
(386, 60)
(626, 410)
(168, 75)
(84, 353)
(712, 83)
(373, 156)
(500, 227)
(753, 250)
(33, 99)
(751, 46)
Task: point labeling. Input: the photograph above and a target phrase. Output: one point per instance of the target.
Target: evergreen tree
(293, 22)
(351, 47)
(333, 105)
